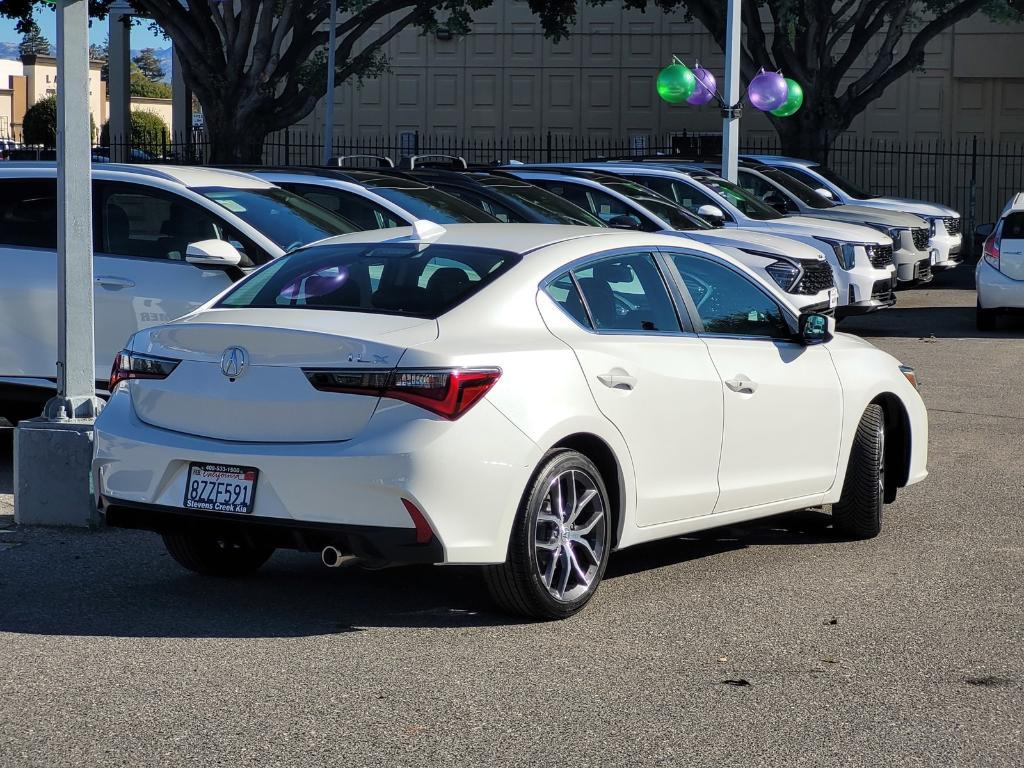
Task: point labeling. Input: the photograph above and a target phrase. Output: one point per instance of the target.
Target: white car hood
(805, 226)
(881, 216)
(907, 205)
(756, 240)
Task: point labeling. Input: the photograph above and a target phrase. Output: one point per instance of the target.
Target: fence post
(163, 144)
(287, 146)
(548, 147)
(972, 208)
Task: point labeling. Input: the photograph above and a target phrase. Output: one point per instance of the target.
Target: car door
(783, 403)
(141, 236)
(650, 377)
(28, 277)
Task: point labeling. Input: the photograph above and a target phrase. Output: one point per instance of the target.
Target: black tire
(212, 556)
(858, 513)
(522, 585)
(986, 319)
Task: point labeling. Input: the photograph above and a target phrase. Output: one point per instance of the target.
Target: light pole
(329, 106)
(731, 111)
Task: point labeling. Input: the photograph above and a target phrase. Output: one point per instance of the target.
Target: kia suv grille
(880, 256)
(920, 238)
(816, 278)
(952, 224)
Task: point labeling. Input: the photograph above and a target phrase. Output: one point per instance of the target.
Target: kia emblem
(234, 362)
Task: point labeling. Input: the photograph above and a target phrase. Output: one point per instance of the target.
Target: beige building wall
(507, 80)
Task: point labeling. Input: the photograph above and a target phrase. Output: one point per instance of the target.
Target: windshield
(798, 189)
(287, 219)
(834, 178)
(739, 198)
(381, 278)
(677, 217)
(549, 205)
(434, 205)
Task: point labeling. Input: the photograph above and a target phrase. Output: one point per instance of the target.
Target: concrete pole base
(53, 473)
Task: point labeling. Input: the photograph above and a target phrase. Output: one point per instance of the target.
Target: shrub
(39, 125)
(147, 130)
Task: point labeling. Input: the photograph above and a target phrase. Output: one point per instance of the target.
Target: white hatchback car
(526, 397)
(166, 239)
(999, 275)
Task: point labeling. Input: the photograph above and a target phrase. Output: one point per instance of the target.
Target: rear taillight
(131, 365)
(991, 248)
(448, 392)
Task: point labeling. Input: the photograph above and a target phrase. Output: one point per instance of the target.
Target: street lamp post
(53, 454)
(731, 111)
(329, 105)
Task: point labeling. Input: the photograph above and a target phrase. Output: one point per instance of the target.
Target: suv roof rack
(343, 161)
(434, 161)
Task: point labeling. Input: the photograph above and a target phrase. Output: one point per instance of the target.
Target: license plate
(833, 298)
(220, 488)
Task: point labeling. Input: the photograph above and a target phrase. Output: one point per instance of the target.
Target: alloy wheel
(570, 535)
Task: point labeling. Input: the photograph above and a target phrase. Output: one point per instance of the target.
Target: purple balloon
(768, 91)
(706, 87)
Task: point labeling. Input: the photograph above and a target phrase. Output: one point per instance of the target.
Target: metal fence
(973, 175)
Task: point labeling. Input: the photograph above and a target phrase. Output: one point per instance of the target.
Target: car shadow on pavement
(123, 584)
(931, 322)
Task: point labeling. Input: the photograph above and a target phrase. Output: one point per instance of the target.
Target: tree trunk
(805, 135)
(233, 142)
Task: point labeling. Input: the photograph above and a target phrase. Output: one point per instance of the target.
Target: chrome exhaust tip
(331, 557)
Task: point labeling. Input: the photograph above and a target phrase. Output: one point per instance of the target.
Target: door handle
(109, 281)
(742, 384)
(617, 378)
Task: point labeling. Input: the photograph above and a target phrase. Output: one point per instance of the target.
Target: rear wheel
(986, 319)
(213, 556)
(858, 513)
(560, 542)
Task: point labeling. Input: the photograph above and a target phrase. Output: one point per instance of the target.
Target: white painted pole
(329, 104)
(730, 116)
(76, 365)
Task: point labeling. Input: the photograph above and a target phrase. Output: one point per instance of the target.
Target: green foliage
(40, 123)
(150, 66)
(143, 86)
(147, 129)
(33, 42)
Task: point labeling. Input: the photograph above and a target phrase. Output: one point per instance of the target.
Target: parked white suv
(166, 239)
(1000, 271)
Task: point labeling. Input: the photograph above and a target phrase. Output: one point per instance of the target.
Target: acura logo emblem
(234, 362)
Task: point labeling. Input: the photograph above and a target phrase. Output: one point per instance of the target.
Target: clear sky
(141, 36)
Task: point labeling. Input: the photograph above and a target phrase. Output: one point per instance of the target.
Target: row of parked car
(169, 238)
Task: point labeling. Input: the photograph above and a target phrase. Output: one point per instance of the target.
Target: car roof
(769, 159)
(366, 178)
(185, 175)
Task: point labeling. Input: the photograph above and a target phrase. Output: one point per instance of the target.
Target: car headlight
(784, 273)
(846, 253)
(935, 226)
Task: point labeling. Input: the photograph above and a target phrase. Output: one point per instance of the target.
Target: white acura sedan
(525, 397)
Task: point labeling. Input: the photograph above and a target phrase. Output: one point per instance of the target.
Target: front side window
(739, 198)
(552, 208)
(727, 302)
(363, 213)
(626, 293)
(602, 205)
(488, 205)
(434, 205)
(28, 213)
(285, 218)
(144, 222)
(798, 189)
(381, 278)
(844, 184)
(688, 196)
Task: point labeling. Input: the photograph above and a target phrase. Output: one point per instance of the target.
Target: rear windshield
(287, 219)
(434, 205)
(382, 278)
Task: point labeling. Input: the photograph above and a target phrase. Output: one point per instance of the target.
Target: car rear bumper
(398, 545)
(466, 478)
(996, 290)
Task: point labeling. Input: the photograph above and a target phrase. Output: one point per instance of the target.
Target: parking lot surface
(769, 644)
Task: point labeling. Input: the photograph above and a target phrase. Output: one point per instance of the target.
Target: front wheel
(858, 513)
(560, 542)
(213, 556)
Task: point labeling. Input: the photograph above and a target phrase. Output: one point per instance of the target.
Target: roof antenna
(424, 229)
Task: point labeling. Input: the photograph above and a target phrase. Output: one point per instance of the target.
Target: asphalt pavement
(768, 644)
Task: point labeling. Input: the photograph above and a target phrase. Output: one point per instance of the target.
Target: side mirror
(212, 253)
(826, 193)
(815, 328)
(982, 231)
(712, 213)
(624, 221)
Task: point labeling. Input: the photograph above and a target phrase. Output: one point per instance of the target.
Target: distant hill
(163, 55)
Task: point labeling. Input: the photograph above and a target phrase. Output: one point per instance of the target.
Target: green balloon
(794, 99)
(676, 83)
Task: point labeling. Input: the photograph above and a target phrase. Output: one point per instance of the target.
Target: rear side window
(28, 213)
(627, 293)
(565, 294)
(388, 278)
(1013, 226)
